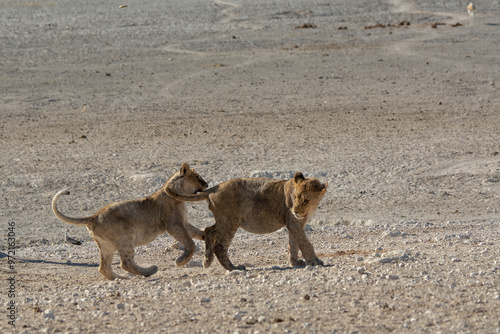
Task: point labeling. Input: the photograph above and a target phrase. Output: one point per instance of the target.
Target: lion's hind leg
(210, 238)
(106, 250)
(128, 262)
(180, 234)
(223, 241)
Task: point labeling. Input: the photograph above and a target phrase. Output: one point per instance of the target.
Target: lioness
(125, 225)
(259, 205)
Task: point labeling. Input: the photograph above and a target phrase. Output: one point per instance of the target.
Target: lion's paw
(240, 267)
(298, 263)
(151, 270)
(315, 262)
(207, 263)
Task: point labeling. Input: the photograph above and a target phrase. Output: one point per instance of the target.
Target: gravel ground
(394, 103)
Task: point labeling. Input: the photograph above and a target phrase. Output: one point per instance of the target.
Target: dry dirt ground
(394, 103)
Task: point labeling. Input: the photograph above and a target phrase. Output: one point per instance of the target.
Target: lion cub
(125, 225)
(259, 205)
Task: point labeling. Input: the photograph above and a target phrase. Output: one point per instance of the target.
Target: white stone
(48, 315)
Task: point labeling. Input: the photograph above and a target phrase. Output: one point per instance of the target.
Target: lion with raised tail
(259, 205)
(128, 224)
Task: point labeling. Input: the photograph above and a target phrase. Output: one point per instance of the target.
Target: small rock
(385, 260)
(238, 315)
(120, 306)
(392, 277)
(390, 234)
(233, 273)
(360, 270)
(456, 260)
(360, 259)
(252, 275)
(204, 300)
(48, 315)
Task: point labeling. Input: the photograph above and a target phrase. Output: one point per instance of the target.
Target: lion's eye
(305, 201)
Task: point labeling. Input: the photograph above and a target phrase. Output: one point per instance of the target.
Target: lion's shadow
(23, 260)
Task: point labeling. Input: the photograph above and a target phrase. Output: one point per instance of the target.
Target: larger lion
(259, 205)
(125, 225)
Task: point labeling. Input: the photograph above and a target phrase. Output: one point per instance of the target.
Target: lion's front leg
(297, 237)
(293, 249)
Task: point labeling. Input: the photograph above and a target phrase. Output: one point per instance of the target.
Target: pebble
(360, 270)
(456, 260)
(238, 315)
(120, 306)
(204, 300)
(252, 275)
(390, 234)
(385, 260)
(48, 315)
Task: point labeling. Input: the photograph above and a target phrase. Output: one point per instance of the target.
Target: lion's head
(307, 193)
(187, 181)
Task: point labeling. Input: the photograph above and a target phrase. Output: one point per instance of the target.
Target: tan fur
(259, 205)
(125, 225)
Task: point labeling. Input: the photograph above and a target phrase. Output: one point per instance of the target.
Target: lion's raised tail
(74, 221)
(201, 196)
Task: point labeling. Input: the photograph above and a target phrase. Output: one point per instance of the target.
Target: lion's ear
(184, 168)
(298, 177)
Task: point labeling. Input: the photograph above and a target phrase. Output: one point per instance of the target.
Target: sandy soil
(402, 120)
